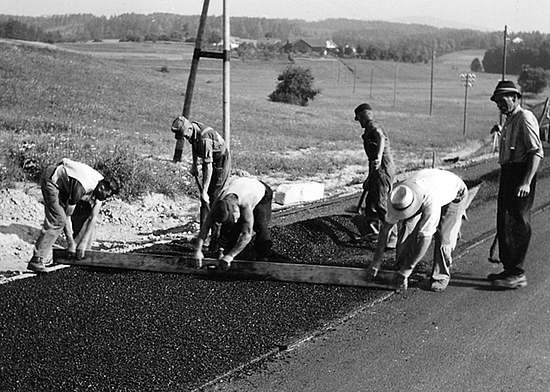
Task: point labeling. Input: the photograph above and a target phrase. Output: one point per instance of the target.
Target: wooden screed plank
(240, 269)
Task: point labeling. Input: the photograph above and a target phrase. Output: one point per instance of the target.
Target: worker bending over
(242, 209)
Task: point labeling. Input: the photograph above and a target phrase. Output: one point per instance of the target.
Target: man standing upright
(519, 157)
(381, 170)
(210, 147)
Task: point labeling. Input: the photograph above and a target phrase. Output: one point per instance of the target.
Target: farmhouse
(321, 46)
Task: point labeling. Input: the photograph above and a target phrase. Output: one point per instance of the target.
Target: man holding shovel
(210, 147)
(381, 172)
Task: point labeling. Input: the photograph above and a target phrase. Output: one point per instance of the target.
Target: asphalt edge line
(299, 342)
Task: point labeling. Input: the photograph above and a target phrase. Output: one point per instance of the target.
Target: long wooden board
(240, 269)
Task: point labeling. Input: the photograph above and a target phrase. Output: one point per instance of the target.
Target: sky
(485, 15)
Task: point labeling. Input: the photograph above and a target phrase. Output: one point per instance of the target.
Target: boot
(37, 265)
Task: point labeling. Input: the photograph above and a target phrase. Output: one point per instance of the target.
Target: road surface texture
(85, 329)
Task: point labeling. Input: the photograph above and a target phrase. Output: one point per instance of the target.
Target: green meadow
(111, 105)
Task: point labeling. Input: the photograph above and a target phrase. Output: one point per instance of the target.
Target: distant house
(320, 46)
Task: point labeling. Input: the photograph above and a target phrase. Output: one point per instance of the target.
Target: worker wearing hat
(430, 202)
(211, 148)
(519, 157)
(243, 208)
(381, 171)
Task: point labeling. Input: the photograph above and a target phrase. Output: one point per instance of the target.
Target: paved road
(468, 338)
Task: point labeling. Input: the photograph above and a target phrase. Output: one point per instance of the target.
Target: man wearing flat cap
(430, 202)
(519, 157)
(243, 208)
(381, 171)
(210, 147)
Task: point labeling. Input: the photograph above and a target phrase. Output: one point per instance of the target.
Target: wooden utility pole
(432, 83)
(197, 54)
(226, 76)
(395, 84)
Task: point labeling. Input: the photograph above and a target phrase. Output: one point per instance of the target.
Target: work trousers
(514, 217)
(221, 169)
(55, 217)
(378, 188)
(446, 237)
(230, 232)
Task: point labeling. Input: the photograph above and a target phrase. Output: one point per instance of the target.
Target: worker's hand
(198, 258)
(80, 253)
(225, 262)
(71, 249)
(376, 164)
(524, 190)
(372, 272)
(497, 128)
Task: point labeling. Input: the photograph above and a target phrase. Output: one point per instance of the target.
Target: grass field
(109, 104)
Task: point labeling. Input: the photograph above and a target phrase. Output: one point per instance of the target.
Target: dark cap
(361, 108)
(221, 211)
(505, 87)
(178, 123)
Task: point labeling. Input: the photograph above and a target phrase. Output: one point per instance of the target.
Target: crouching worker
(63, 186)
(243, 207)
(429, 202)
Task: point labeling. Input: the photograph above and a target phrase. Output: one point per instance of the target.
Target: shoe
(439, 285)
(501, 275)
(37, 265)
(511, 282)
(401, 282)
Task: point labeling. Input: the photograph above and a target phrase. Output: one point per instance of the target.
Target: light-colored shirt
(249, 191)
(520, 137)
(438, 188)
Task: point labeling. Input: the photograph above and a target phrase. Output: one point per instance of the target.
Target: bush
(295, 87)
(533, 80)
(476, 65)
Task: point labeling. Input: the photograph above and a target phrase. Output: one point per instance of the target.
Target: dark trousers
(230, 232)
(514, 217)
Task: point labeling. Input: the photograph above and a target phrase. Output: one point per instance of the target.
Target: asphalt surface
(106, 330)
(471, 337)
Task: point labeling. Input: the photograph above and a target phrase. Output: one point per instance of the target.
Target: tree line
(373, 40)
(532, 50)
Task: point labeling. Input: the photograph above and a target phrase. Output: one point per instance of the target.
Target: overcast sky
(490, 15)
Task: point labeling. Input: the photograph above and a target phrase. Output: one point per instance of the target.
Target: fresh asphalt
(471, 337)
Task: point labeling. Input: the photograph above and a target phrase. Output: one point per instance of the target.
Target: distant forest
(373, 40)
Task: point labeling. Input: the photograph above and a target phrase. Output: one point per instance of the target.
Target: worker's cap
(405, 201)
(180, 123)
(361, 108)
(505, 87)
(221, 211)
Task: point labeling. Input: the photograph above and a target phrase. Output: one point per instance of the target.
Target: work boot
(401, 282)
(439, 285)
(511, 282)
(501, 275)
(37, 265)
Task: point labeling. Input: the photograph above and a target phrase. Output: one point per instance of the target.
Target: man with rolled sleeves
(210, 147)
(519, 156)
(63, 186)
(381, 171)
(429, 203)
